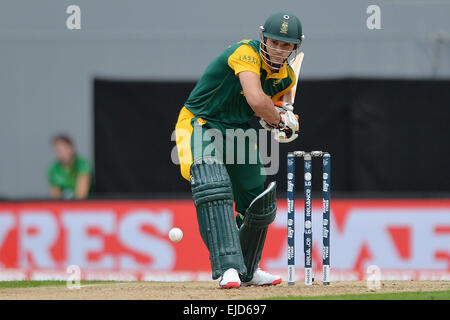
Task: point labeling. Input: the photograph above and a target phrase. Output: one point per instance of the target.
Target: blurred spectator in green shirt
(70, 175)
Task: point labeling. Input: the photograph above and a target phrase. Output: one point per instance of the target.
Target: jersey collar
(281, 74)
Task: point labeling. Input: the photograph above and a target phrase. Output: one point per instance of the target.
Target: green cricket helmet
(280, 26)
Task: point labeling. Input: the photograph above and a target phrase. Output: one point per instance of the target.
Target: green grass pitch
(31, 284)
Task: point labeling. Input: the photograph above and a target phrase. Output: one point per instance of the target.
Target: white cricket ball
(175, 234)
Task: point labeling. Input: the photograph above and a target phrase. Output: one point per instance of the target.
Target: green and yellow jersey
(218, 102)
(218, 96)
(66, 178)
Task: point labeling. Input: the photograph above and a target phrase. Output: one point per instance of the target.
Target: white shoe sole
(230, 285)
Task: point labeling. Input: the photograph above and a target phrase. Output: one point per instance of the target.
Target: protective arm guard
(259, 215)
(213, 198)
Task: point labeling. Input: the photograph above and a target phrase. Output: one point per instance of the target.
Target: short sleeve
(244, 58)
(83, 167)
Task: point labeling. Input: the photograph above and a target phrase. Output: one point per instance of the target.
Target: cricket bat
(296, 66)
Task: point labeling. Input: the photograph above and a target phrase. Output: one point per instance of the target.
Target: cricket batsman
(249, 78)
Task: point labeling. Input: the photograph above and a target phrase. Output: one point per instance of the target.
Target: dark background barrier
(384, 135)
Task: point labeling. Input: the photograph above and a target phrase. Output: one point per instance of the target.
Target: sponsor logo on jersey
(276, 82)
(249, 59)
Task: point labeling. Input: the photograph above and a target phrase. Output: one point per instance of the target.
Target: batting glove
(281, 107)
(290, 130)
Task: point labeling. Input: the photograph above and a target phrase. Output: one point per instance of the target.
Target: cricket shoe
(230, 279)
(262, 278)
